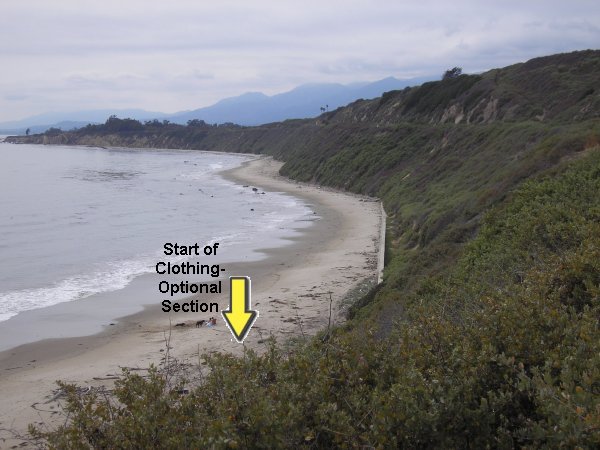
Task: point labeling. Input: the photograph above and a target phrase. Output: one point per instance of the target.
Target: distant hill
(68, 120)
(65, 125)
(305, 101)
(252, 108)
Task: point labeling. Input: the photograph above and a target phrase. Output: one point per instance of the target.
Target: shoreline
(290, 289)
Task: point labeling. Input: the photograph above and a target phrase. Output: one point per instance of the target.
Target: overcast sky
(172, 55)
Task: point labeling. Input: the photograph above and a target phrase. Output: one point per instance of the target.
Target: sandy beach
(291, 289)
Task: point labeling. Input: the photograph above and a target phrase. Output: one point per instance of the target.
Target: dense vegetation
(485, 331)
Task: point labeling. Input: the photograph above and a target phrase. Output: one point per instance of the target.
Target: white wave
(116, 276)
(6, 316)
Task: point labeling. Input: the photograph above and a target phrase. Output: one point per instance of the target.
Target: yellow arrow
(239, 317)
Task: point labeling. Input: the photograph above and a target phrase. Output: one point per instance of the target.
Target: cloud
(70, 54)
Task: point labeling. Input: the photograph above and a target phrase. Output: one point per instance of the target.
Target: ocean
(79, 221)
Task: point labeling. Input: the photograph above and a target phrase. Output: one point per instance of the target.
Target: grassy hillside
(485, 330)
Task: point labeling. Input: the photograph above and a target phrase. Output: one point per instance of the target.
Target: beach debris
(180, 324)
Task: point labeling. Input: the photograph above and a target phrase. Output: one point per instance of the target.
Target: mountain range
(255, 108)
(252, 108)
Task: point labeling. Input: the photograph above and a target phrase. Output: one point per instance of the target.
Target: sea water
(78, 221)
